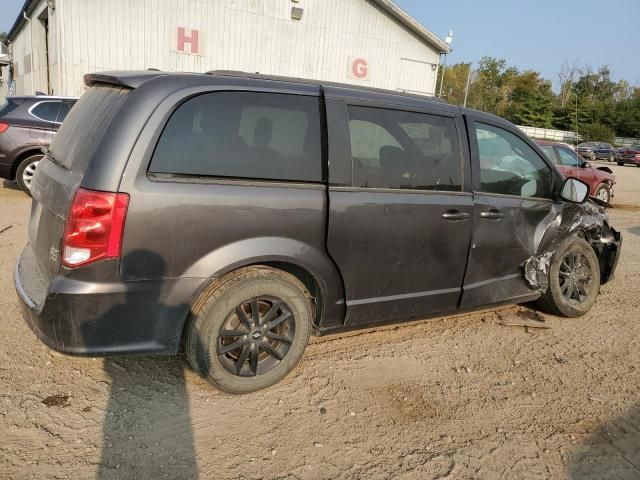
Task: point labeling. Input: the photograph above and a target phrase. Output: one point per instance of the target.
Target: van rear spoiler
(128, 79)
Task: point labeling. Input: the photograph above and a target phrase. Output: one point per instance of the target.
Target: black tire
(561, 298)
(603, 193)
(228, 306)
(621, 164)
(25, 172)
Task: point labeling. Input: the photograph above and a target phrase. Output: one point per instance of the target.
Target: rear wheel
(250, 329)
(603, 193)
(25, 172)
(574, 279)
(621, 164)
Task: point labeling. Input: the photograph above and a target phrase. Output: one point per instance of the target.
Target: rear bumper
(91, 318)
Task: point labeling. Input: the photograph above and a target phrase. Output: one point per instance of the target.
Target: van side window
(404, 150)
(509, 166)
(243, 135)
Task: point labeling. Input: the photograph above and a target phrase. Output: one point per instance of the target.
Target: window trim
(174, 102)
(472, 120)
(416, 109)
(32, 107)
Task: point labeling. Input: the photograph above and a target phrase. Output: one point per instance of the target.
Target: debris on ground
(56, 401)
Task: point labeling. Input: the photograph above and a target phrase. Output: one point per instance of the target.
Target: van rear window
(243, 135)
(84, 128)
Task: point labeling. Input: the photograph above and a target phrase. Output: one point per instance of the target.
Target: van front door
(513, 198)
(400, 221)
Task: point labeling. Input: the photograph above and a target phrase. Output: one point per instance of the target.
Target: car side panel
(201, 228)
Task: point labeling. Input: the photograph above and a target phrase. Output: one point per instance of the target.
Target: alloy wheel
(28, 173)
(256, 336)
(603, 194)
(576, 278)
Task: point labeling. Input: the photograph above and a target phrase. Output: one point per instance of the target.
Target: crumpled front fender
(587, 220)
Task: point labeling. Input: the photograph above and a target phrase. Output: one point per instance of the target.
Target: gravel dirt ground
(459, 397)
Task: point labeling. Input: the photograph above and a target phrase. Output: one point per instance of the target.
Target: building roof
(28, 4)
(412, 24)
(388, 6)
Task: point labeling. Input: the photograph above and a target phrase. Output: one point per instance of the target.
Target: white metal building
(53, 43)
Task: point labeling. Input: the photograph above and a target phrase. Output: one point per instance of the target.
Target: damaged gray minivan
(236, 214)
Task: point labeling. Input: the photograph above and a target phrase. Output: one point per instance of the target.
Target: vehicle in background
(629, 155)
(597, 151)
(27, 124)
(235, 214)
(601, 180)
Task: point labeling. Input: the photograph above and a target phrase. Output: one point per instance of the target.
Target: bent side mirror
(575, 191)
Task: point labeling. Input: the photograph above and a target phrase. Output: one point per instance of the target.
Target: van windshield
(85, 126)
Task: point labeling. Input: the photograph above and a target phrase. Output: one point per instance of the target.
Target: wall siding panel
(247, 35)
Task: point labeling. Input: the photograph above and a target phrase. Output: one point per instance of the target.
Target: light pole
(448, 40)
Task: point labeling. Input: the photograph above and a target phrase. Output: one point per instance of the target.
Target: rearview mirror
(575, 191)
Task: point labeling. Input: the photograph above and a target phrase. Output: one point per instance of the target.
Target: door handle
(455, 215)
(493, 214)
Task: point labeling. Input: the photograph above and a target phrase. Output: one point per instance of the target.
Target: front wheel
(250, 329)
(612, 158)
(574, 279)
(603, 193)
(25, 172)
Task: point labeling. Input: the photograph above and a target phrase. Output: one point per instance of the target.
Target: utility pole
(466, 90)
(444, 65)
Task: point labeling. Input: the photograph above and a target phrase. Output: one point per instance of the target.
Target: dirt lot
(451, 398)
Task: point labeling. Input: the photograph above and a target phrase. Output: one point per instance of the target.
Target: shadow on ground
(147, 427)
(10, 185)
(613, 451)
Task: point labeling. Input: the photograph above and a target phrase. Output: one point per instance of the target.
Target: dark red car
(601, 180)
(629, 155)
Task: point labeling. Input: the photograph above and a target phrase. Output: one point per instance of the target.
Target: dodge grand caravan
(235, 214)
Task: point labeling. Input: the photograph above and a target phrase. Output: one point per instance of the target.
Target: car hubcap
(575, 278)
(603, 195)
(27, 174)
(256, 336)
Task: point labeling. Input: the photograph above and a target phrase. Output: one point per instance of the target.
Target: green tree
(455, 82)
(530, 100)
(597, 132)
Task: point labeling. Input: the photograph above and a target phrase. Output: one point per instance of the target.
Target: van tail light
(4, 126)
(94, 227)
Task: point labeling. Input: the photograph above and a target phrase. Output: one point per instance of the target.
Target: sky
(539, 34)
(530, 34)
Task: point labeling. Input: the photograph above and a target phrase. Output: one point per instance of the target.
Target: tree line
(589, 101)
